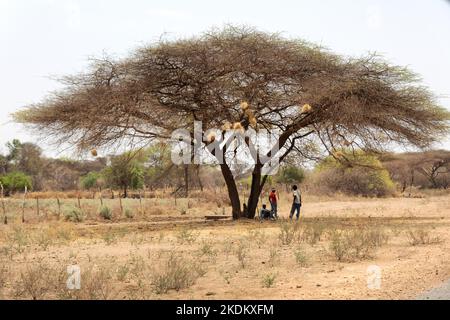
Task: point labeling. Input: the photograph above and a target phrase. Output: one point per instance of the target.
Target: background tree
(126, 171)
(246, 78)
(15, 182)
(428, 169)
(93, 180)
(290, 175)
(362, 175)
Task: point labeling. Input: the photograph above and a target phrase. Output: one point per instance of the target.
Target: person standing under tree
(273, 199)
(296, 203)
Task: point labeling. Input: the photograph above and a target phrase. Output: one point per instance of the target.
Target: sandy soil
(406, 270)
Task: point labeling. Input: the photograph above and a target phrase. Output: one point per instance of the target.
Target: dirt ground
(178, 255)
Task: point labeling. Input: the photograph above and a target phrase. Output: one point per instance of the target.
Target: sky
(44, 39)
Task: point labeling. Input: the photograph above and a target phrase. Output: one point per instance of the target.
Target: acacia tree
(243, 78)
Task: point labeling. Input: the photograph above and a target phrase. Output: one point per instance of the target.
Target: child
(273, 199)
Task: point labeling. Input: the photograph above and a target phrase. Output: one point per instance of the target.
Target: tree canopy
(243, 78)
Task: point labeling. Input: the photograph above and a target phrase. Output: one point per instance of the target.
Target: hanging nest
(227, 126)
(211, 137)
(244, 105)
(94, 152)
(306, 108)
(238, 127)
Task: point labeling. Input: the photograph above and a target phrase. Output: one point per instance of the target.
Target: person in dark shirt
(264, 213)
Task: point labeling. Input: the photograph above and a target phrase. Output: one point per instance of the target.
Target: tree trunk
(255, 191)
(199, 179)
(125, 191)
(186, 179)
(233, 193)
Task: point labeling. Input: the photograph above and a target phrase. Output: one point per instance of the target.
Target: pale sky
(44, 38)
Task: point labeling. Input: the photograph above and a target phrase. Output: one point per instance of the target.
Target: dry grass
(357, 244)
(420, 236)
(173, 257)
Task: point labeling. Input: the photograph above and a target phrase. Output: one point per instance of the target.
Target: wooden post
(121, 206)
(101, 196)
(5, 217)
(59, 208)
(23, 204)
(37, 206)
(140, 203)
(79, 201)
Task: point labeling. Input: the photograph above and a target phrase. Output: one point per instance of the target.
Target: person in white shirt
(296, 203)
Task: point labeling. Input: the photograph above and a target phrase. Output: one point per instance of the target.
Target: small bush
(106, 213)
(4, 275)
(421, 237)
(301, 258)
(289, 231)
(17, 240)
(35, 282)
(273, 257)
(242, 252)
(359, 244)
(313, 233)
(97, 284)
(122, 272)
(43, 239)
(176, 274)
(129, 213)
(110, 237)
(269, 280)
(74, 214)
(186, 235)
(206, 249)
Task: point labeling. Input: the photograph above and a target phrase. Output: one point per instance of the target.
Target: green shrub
(15, 181)
(301, 258)
(354, 174)
(129, 213)
(91, 180)
(74, 214)
(269, 280)
(106, 213)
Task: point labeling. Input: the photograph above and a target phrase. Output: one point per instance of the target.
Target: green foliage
(290, 174)
(74, 214)
(355, 173)
(106, 213)
(91, 180)
(126, 171)
(15, 181)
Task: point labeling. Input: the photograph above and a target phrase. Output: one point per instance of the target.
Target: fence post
(23, 204)
(140, 203)
(59, 208)
(37, 206)
(121, 206)
(79, 200)
(5, 217)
